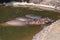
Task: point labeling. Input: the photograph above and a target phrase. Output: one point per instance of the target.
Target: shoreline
(37, 6)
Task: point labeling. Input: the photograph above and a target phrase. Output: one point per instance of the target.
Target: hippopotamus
(28, 20)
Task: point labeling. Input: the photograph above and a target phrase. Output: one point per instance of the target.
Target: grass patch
(21, 33)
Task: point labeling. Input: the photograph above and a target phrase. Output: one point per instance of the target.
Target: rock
(51, 32)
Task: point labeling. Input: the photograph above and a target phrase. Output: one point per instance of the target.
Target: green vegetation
(21, 33)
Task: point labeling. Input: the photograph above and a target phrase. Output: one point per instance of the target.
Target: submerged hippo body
(16, 23)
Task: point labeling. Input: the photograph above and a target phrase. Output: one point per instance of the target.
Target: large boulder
(51, 32)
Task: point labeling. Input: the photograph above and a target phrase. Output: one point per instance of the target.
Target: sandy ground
(51, 32)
